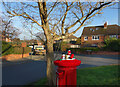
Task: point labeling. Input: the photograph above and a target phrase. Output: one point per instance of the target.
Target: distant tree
(7, 28)
(78, 41)
(16, 40)
(40, 36)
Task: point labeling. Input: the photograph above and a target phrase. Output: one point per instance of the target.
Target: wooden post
(23, 45)
(23, 52)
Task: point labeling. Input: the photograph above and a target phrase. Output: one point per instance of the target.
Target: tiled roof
(99, 30)
(72, 37)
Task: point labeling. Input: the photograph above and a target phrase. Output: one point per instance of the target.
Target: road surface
(22, 73)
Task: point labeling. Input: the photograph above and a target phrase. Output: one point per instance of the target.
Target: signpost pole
(23, 45)
(23, 52)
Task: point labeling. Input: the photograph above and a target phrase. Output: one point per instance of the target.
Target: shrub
(8, 49)
(19, 50)
(57, 46)
(5, 46)
(84, 49)
(112, 44)
(61, 46)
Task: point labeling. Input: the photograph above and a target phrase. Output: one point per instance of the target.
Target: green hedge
(112, 44)
(5, 46)
(84, 49)
(8, 49)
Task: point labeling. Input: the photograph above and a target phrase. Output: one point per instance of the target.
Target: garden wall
(99, 53)
(10, 57)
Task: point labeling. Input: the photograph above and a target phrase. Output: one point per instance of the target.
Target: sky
(110, 15)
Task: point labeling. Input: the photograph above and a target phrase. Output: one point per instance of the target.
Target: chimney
(105, 25)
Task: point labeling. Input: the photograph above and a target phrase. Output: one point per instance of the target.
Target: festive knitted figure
(69, 53)
(72, 55)
(63, 57)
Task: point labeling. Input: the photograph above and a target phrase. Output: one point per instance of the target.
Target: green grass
(41, 82)
(103, 75)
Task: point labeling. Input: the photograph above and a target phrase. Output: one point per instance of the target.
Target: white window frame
(113, 36)
(95, 37)
(97, 28)
(85, 38)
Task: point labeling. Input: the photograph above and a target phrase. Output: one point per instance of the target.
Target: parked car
(40, 50)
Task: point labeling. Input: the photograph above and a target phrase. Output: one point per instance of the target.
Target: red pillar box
(66, 72)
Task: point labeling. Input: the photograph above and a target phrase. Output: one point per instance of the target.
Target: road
(32, 70)
(23, 72)
(97, 60)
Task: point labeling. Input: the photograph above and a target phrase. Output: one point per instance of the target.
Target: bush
(61, 46)
(112, 44)
(5, 46)
(64, 46)
(8, 49)
(57, 46)
(84, 49)
(19, 50)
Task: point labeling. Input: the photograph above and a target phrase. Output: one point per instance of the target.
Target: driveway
(25, 72)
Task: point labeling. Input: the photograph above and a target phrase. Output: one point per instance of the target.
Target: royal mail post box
(66, 72)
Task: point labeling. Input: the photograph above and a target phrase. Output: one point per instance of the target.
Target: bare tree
(58, 21)
(40, 36)
(8, 29)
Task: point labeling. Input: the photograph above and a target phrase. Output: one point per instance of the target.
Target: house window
(96, 37)
(113, 36)
(86, 38)
(91, 29)
(97, 28)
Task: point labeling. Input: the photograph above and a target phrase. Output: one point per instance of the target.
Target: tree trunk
(50, 54)
(50, 64)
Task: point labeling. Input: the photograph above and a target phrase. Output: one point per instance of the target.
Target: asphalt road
(23, 72)
(34, 69)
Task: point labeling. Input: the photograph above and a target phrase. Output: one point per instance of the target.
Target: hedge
(112, 44)
(84, 49)
(8, 49)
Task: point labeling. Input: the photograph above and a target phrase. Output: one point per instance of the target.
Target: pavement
(31, 69)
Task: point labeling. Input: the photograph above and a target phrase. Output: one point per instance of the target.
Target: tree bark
(50, 54)
(50, 64)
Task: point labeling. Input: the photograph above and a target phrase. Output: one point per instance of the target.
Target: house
(95, 35)
(5, 38)
(73, 45)
(71, 39)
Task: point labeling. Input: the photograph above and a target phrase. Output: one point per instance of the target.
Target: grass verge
(103, 75)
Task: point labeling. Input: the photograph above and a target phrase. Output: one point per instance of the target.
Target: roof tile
(99, 30)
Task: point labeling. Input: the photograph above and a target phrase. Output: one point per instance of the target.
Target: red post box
(66, 72)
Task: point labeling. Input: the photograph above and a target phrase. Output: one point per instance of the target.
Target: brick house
(95, 35)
